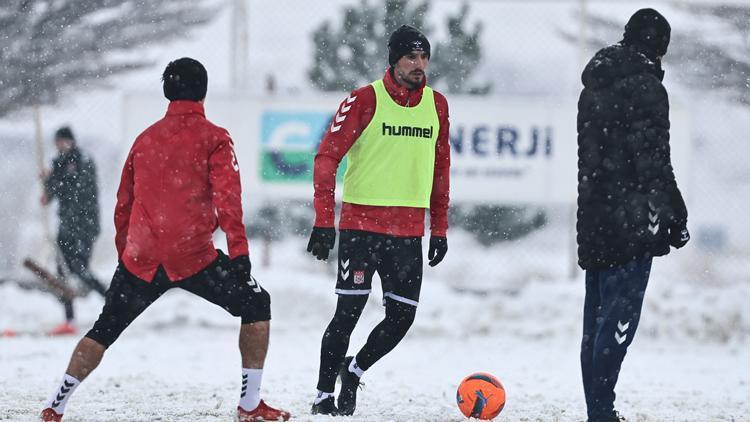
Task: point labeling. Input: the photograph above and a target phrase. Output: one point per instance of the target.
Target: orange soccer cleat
(262, 413)
(65, 329)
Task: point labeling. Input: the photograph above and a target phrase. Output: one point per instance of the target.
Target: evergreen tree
(51, 45)
(492, 224)
(456, 58)
(356, 53)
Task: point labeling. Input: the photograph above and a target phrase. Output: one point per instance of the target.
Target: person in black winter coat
(629, 207)
(72, 181)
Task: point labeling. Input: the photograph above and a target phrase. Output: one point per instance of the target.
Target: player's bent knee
(406, 320)
(106, 338)
(258, 309)
(401, 316)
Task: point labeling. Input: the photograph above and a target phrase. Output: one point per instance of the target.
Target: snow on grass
(179, 360)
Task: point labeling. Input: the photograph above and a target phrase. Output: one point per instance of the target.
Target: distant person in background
(395, 134)
(180, 182)
(72, 181)
(629, 207)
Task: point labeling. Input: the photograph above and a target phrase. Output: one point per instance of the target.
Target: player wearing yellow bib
(394, 132)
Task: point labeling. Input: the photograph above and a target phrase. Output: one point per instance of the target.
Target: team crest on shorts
(359, 277)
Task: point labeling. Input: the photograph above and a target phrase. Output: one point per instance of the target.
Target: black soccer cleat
(615, 417)
(347, 401)
(326, 406)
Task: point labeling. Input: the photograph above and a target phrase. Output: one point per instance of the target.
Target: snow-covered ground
(179, 361)
(509, 309)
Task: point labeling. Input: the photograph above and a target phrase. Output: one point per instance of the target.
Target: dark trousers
(382, 340)
(76, 255)
(612, 309)
(128, 296)
(398, 262)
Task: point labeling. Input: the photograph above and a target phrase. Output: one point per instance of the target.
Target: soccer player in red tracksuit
(180, 182)
(395, 132)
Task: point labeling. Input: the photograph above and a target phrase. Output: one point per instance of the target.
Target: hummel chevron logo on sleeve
(341, 114)
(653, 218)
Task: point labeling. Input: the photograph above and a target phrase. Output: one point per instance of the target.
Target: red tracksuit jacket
(357, 111)
(179, 183)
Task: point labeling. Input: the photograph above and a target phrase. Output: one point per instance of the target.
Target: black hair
(185, 79)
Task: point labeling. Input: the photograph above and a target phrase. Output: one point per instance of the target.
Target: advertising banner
(503, 150)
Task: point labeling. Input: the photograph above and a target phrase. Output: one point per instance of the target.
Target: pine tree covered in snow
(48, 46)
(356, 53)
(492, 224)
(456, 58)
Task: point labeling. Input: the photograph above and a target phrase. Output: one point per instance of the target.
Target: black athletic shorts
(397, 260)
(128, 296)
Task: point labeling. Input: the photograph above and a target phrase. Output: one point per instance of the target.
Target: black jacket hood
(649, 32)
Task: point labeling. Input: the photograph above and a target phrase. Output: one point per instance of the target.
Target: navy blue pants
(611, 311)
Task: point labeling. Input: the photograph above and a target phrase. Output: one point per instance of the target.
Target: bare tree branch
(699, 62)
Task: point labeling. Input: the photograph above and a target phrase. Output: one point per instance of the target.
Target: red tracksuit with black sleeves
(382, 239)
(395, 221)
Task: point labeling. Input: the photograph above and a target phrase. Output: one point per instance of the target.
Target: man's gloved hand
(321, 241)
(438, 249)
(241, 267)
(678, 236)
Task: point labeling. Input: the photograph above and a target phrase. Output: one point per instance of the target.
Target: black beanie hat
(185, 79)
(64, 133)
(404, 40)
(650, 31)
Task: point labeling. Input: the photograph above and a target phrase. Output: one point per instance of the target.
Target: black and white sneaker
(347, 400)
(326, 406)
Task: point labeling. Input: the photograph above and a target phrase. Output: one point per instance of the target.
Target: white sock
(250, 397)
(322, 395)
(355, 369)
(61, 395)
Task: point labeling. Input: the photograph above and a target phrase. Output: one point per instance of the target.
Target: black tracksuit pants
(612, 309)
(398, 262)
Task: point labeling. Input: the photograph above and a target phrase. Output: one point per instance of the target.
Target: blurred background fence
(510, 71)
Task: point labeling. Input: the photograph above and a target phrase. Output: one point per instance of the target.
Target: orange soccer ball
(481, 396)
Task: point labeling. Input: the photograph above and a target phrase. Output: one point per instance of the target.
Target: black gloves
(678, 236)
(241, 267)
(321, 241)
(438, 249)
(323, 238)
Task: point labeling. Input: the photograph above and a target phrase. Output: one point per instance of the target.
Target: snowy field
(509, 309)
(179, 361)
